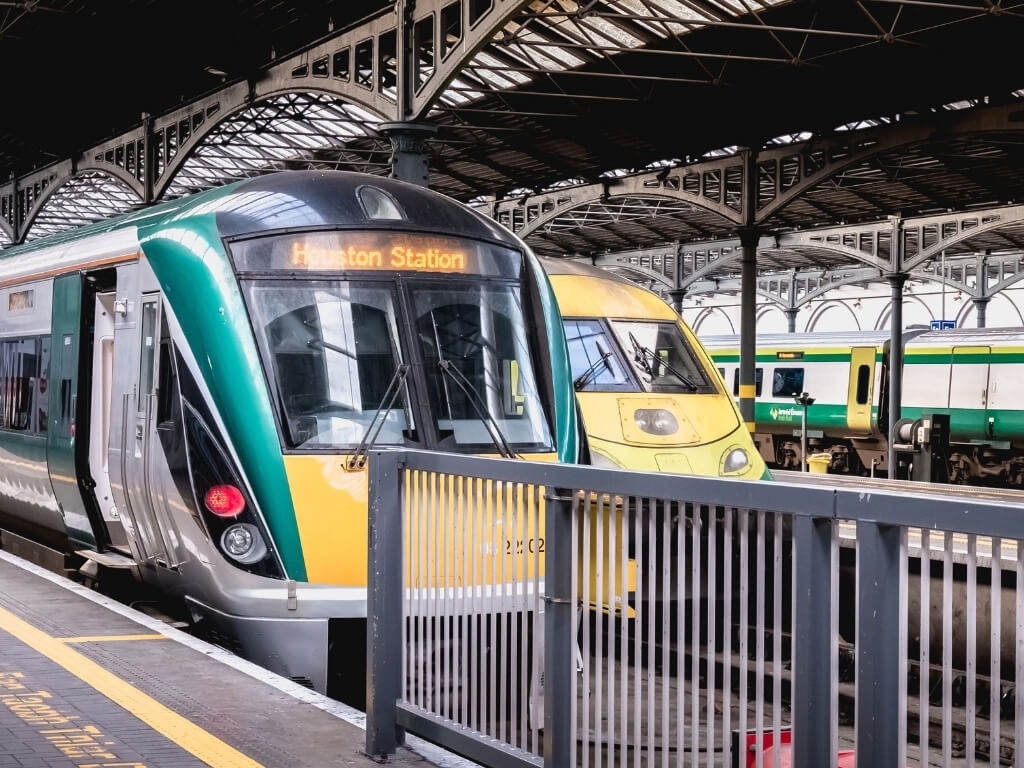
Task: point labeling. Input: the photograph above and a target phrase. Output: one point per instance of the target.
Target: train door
(134, 447)
(861, 388)
(968, 391)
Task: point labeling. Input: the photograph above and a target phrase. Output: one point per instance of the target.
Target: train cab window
(787, 382)
(473, 335)
(19, 371)
(661, 357)
(592, 357)
(331, 349)
(863, 384)
(758, 381)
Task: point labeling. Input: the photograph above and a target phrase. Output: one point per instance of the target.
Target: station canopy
(553, 110)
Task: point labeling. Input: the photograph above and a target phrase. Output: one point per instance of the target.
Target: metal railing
(528, 614)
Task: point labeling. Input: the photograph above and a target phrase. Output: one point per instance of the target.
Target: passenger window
(721, 372)
(19, 370)
(863, 384)
(787, 382)
(758, 380)
(167, 391)
(148, 353)
(42, 398)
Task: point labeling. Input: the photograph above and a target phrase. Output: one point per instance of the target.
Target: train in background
(972, 375)
(191, 392)
(648, 395)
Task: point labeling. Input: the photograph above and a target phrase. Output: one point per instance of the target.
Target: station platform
(86, 682)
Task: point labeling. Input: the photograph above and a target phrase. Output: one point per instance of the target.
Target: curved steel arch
(209, 127)
(87, 203)
(881, 323)
(818, 160)
(708, 312)
(7, 230)
(825, 307)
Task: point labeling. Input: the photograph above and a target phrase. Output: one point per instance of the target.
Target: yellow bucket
(819, 462)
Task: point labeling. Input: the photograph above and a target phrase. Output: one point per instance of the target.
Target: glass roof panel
(81, 200)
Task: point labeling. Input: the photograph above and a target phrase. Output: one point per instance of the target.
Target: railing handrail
(925, 509)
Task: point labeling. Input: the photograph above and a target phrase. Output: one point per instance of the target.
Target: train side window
(721, 372)
(787, 382)
(758, 381)
(167, 389)
(148, 353)
(18, 373)
(42, 397)
(863, 384)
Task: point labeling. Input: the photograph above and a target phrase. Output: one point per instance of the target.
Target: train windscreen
(661, 357)
(351, 336)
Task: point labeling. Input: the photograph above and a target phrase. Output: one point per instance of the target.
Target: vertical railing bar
(559, 620)
(577, 562)
(759, 644)
(501, 645)
(694, 516)
(519, 617)
(834, 633)
(613, 515)
(972, 646)
(947, 649)
(681, 655)
(995, 650)
(408, 581)
(599, 599)
(638, 600)
(446, 611)
(744, 532)
(384, 599)
(475, 577)
(924, 659)
(537, 494)
(652, 544)
(464, 554)
(903, 613)
(712, 598)
(1018, 638)
(628, 503)
(666, 597)
(727, 638)
(497, 556)
(423, 659)
(434, 654)
(776, 636)
(584, 572)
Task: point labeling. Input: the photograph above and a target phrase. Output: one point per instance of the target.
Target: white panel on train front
(1004, 386)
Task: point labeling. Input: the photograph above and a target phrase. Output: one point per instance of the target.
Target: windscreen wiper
(321, 344)
(358, 460)
(641, 356)
(481, 408)
(584, 378)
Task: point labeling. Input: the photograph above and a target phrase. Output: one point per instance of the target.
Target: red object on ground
(846, 757)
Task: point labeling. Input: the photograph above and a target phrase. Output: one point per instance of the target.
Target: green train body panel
(199, 284)
(65, 341)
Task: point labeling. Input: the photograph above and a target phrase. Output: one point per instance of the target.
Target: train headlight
(602, 461)
(242, 542)
(656, 421)
(734, 460)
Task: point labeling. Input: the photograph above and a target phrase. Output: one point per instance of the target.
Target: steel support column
(791, 314)
(748, 324)
(409, 155)
(980, 305)
(677, 295)
(896, 281)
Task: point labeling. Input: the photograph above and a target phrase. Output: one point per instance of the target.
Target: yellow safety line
(103, 638)
(182, 732)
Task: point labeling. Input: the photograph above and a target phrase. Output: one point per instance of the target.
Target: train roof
(566, 266)
(993, 337)
(295, 200)
(803, 340)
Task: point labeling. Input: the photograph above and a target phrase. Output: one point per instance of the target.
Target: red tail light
(225, 501)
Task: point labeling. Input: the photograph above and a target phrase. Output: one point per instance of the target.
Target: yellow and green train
(973, 375)
(191, 390)
(649, 396)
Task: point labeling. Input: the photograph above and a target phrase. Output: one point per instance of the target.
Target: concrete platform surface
(89, 683)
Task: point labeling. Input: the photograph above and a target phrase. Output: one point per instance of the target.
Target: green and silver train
(192, 390)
